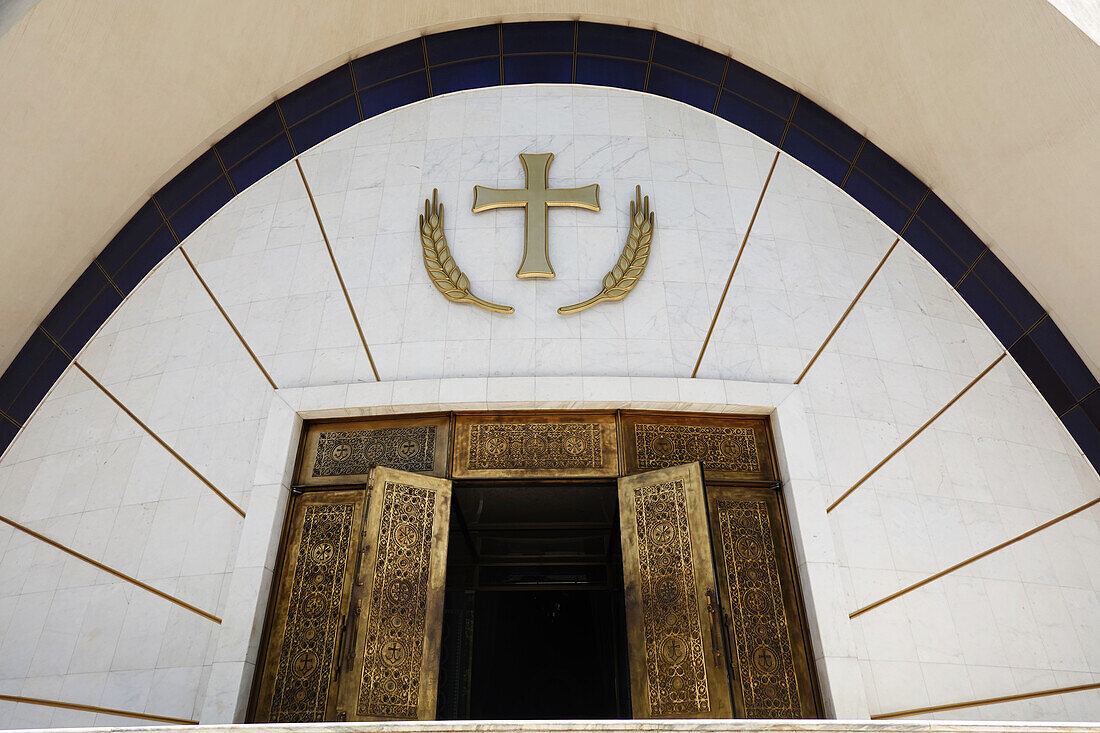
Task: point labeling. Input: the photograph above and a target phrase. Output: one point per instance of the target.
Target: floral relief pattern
(762, 641)
(396, 621)
(673, 638)
(300, 693)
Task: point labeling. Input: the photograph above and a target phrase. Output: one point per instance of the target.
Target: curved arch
(559, 52)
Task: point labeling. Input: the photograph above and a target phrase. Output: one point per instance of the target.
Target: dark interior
(533, 620)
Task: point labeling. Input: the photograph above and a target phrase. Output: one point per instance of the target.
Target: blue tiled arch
(559, 52)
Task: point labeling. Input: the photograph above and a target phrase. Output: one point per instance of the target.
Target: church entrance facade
(512, 565)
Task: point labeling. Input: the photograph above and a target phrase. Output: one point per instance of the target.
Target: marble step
(625, 726)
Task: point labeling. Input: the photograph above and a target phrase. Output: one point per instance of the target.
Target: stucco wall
(994, 106)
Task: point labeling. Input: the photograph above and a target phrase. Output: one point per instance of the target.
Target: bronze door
(771, 663)
(298, 679)
(678, 667)
(396, 613)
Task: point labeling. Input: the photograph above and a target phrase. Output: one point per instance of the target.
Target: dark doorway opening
(534, 624)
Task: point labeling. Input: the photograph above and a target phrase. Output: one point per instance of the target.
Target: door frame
(819, 572)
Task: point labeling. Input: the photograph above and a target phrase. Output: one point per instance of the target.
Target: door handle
(340, 646)
(715, 640)
(363, 550)
(347, 654)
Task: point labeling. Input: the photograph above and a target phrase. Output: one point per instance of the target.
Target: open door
(678, 667)
(389, 663)
(298, 679)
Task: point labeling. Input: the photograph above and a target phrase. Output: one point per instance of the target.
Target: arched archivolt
(557, 52)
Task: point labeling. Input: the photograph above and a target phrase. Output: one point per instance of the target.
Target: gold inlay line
(975, 558)
(108, 278)
(917, 432)
(987, 701)
(97, 709)
(740, 251)
(849, 310)
(160, 441)
(218, 305)
(108, 569)
(336, 267)
(209, 292)
(9, 418)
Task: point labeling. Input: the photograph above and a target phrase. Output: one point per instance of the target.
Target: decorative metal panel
(395, 635)
(355, 452)
(554, 445)
(762, 640)
(313, 616)
(535, 445)
(720, 448)
(670, 620)
(343, 453)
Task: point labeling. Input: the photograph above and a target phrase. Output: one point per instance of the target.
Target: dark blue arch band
(559, 52)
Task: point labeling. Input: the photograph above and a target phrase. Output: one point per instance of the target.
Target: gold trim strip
(103, 271)
(209, 292)
(975, 558)
(154, 436)
(918, 431)
(336, 267)
(987, 701)
(736, 261)
(10, 419)
(218, 305)
(108, 569)
(849, 310)
(97, 709)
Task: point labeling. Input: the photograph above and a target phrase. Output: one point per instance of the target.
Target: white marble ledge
(547, 393)
(626, 726)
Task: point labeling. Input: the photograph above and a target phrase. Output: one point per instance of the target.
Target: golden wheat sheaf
(441, 266)
(622, 278)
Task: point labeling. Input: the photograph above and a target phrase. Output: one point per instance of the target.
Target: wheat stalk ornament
(441, 266)
(618, 283)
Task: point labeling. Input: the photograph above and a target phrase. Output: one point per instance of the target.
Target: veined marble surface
(997, 464)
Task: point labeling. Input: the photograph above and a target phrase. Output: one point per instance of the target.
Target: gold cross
(536, 199)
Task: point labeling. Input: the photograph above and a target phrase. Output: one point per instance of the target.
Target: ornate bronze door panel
(677, 662)
(772, 667)
(298, 678)
(396, 615)
(345, 452)
(536, 445)
(730, 448)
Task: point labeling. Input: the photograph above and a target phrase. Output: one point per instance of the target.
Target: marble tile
(977, 477)
(810, 251)
(265, 260)
(685, 176)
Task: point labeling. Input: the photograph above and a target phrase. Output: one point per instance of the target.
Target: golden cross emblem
(536, 198)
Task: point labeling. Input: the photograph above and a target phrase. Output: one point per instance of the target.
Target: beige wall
(994, 104)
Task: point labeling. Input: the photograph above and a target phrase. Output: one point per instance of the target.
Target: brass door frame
(623, 468)
(620, 459)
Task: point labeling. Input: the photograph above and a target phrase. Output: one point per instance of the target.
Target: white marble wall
(85, 474)
(996, 464)
(702, 176)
